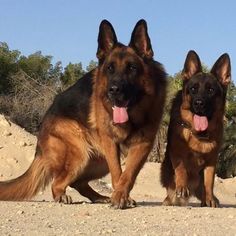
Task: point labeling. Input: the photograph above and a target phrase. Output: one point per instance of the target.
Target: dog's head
(123, 69)
(201, 91)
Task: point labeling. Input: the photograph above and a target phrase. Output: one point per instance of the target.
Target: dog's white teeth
(113, 108)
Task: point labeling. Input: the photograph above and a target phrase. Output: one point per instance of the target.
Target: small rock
(20, 212)
(4, 122)
(22, 144)
(7, 133)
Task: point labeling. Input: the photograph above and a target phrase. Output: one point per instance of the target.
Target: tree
(231, 102)
(36, 65)
(72, 73)
(227, 159)
(92, 65)
(8, 66)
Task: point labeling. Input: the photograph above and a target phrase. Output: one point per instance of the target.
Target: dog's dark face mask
(123, 90)
(204, 88)
(123, 67)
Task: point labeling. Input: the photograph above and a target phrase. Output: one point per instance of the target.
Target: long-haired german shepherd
(195, 133)
(114, 109)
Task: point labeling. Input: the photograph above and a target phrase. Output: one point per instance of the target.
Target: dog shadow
(191, 204)
(139, 203)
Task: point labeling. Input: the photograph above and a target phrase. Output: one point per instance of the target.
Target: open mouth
(200, 123)
(120, 114)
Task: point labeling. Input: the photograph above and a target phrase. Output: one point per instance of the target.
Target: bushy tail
(27, 185)
(167, 172)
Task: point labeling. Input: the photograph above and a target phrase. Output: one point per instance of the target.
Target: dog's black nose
(114, 89)
(199, 103)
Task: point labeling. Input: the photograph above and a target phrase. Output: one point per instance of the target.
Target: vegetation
(28, 85)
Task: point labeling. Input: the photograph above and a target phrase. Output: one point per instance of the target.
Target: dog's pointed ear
(140, 40)
(106, 39)
(222, 69)
(192, 65)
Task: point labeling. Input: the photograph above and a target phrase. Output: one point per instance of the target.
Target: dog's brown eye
(110, 68)
(132, 67)
(210, 90)
(193, 89)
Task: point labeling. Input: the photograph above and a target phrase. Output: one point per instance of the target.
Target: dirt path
(42, 216)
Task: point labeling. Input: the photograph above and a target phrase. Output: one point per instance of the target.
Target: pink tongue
(200, 122)
(120, 115)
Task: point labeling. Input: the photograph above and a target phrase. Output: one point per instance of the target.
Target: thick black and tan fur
(191, 156)
(79, 141)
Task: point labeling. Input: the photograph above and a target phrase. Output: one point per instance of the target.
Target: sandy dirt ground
(41, 216)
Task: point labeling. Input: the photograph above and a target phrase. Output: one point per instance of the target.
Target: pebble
(20, 212)
(22, 144)
(7, 133)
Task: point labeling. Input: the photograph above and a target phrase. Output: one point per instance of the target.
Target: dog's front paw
(182, 192)
(214, 202)
(181, 196)
(121, 200)
(66, 199)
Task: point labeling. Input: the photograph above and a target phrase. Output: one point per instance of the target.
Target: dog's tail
(26, 186)
(167, 172)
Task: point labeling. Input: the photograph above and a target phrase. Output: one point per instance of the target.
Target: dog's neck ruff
(201, 136)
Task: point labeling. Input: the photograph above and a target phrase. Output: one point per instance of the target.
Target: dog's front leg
(181, 181)
(209, 200)
(111, 153)
(136, 158)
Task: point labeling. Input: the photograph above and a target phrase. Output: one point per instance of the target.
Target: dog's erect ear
(192, 65)
(222, 69)
(106, 39)
(140, 40)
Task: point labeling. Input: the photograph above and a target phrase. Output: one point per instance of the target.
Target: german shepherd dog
(195, 133)
(114, 109)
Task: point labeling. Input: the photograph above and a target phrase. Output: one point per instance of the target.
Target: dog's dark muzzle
(118, 94)
(202, 107)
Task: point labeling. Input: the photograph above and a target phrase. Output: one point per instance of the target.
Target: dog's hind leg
(66, 172)
(96, 168)
(85, 190)
(59, 185)
(168, 201)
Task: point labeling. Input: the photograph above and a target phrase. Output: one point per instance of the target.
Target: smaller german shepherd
(195, 133)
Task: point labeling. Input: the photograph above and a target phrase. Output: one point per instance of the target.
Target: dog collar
(201, 136)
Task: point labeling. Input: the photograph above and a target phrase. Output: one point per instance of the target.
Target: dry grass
(28, 102)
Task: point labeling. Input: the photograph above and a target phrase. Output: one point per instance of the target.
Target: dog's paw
(121, 200)
(102, 199)
(214, 202)
(182, 192)
(167, 202)
(66, 199)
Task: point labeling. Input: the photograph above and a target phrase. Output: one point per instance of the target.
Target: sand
(41, 216)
